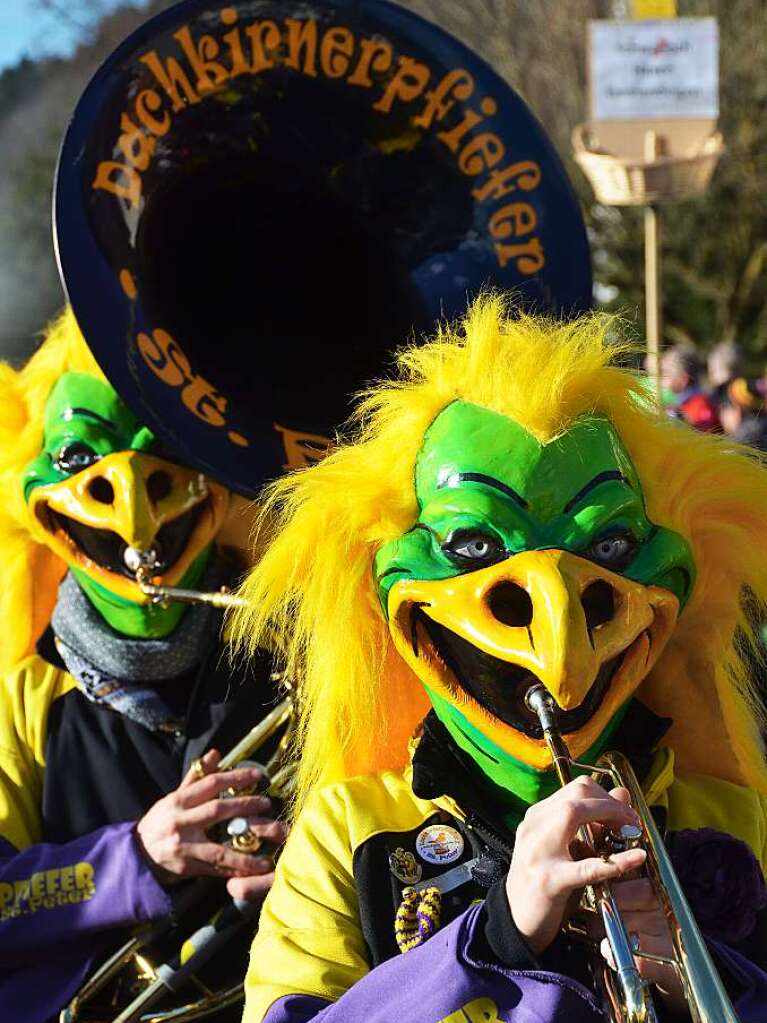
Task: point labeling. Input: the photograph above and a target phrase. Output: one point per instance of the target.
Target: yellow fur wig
(30, 572)
(313, 589)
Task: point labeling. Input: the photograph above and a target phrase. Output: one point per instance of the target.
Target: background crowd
(716, 395)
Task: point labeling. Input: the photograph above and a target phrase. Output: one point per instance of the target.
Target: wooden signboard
(651, 137)
(660, 76)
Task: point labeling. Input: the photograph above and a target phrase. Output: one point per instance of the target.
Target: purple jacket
(74, 777)
(445, 975)
(321, 952)
(56, 903)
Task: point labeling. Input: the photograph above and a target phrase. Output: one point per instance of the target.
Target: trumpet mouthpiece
(136, 560)
(540, 701)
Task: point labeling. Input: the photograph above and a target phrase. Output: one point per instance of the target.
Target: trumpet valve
(259, 788)
(628, 836)
(240, 837)
(631, 835)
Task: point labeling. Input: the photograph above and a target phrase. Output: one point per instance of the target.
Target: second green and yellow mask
(100, 486)
(529, 561)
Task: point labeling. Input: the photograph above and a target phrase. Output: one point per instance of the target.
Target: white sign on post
(654, 69)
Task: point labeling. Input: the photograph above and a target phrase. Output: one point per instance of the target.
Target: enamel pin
(404, 866)
(439, 843)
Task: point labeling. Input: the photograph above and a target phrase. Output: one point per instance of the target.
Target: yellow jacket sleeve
(25, 699)
(309, 938)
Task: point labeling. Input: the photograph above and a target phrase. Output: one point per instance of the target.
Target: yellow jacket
(317, 935)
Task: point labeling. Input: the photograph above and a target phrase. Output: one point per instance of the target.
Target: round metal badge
(439, 843)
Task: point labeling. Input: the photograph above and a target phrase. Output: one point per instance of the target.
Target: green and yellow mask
(529, 562)
(101, 486)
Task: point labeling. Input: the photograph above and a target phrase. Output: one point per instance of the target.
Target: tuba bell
(256, 201)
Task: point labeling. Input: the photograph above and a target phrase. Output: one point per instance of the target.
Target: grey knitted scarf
(119, 671)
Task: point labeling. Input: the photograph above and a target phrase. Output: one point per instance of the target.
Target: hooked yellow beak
(480, 640)
(130, 499)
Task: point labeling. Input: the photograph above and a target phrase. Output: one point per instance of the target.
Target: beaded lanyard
(418, 917)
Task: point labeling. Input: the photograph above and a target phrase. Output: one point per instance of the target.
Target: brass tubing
(215, 598)
(627, 994)
(632, 991)
(258, 735)
(706, 996)
(136, 1010)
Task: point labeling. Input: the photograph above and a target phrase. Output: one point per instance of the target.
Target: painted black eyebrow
(392, 570)
(601, 477)
(88, 414)
(489, 481)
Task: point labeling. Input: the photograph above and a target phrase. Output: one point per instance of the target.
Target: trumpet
(144, 564)
(627, 996)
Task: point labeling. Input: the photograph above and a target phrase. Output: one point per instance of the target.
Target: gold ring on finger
(197, 769)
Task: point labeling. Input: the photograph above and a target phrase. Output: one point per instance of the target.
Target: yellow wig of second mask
(314, 589)
(30, 572)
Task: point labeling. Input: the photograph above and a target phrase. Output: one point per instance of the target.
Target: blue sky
(25, 28)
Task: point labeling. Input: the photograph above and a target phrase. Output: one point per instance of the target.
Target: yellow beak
(132, 495)
(557, 615)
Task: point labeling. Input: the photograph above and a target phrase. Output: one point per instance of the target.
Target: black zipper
(492, 838)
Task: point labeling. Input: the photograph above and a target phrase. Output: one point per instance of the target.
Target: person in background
(680, 371)
(741, 412)
(725, 362)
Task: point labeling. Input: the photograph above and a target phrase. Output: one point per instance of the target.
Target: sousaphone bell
(256, 202)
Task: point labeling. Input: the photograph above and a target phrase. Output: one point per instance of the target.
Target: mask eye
(614, 552)
(75, 457)
(470, 548)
